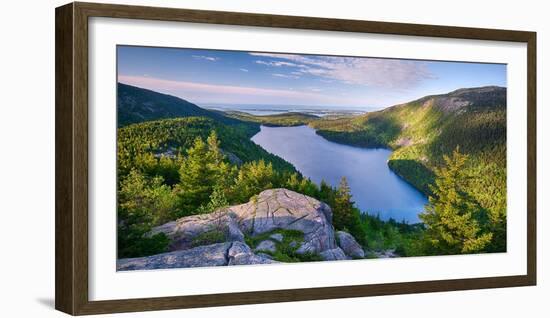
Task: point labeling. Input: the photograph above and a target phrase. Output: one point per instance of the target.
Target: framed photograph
(211, 158)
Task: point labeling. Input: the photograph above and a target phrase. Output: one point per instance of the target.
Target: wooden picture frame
(71, 90)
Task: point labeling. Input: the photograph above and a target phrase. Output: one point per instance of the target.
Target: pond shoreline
(376, 188)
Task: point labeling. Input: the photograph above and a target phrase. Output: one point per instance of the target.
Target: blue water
(375, 188)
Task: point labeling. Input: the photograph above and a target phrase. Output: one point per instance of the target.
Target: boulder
(277, 237)
(184, 231)
(240, 254)
(270, 210)
(220, 254)
(335, 254)
(349, 245)
(266, 246)
(386, 254)
(264, 255)
(208, 255)
(284, 209)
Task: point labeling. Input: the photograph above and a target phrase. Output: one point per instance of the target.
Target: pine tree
(196, 183)
(202, 171)
(346, 216)
(217, 201)
(293, 182)
(343, 205)
(222, 174)
(309, 188)
(214, 152)
(253, 178)
(451, 214)
(326, 192)
(143, 203)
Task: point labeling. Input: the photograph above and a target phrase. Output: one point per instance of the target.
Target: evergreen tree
(309, 188)
(253, 178)
(143, 203)
(147, 200)
(342, 206)
(302, 185)
(451, 215)
(326, 193)
(214, 152)
(196, 181)
(221, 172)
(346, 216)
(217, 201)
(293, 182)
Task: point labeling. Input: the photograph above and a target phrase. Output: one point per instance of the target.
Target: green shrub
(142, 246)
(209, 237)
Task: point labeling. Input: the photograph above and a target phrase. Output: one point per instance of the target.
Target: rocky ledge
(276, 224)
(220, 254)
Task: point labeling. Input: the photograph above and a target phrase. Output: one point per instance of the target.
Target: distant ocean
(281, 109)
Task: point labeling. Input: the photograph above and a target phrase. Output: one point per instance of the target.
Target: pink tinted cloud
(157, 83)
(202, 92)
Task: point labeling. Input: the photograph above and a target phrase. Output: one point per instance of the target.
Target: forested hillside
(153, 147)
(285, 119)
(421, 132)
(135, 105)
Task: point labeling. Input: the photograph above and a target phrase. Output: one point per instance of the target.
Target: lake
(375, 188)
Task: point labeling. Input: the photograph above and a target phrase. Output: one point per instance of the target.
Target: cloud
(208, 58)
(157, 83)
(243, 69)
(279, 64)
(214, 93)
(315, 89)
(285, 75)
(377, 72)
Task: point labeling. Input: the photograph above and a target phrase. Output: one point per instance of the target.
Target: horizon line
(316, 105)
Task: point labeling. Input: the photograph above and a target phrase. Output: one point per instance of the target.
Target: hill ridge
(137, 104)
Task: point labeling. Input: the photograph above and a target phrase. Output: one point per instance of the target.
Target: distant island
(193, 187)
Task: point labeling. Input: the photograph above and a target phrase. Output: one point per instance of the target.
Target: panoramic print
(241, 158)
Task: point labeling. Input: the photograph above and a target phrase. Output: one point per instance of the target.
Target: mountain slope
(422, 131)
(412, 122)
(135, 105)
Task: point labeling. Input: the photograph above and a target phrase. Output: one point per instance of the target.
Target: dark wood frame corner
(71, 157)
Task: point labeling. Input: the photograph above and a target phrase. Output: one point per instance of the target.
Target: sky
(207, 77)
